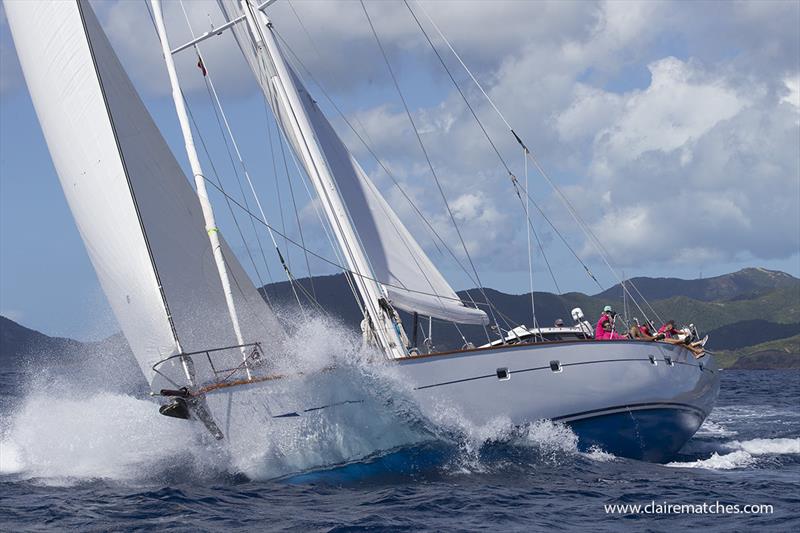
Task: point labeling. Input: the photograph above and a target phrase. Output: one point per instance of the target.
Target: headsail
(137, 214)
(396, 260)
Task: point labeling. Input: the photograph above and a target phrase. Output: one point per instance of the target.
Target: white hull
(623, 396)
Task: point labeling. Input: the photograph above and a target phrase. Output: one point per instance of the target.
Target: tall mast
(385, 327)
(199, 178)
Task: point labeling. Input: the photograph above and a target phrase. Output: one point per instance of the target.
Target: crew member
(668, 330)
(641, 331)
(605, 317)
(605, 326)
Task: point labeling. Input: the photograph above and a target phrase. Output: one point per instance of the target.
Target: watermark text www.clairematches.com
(661, 508)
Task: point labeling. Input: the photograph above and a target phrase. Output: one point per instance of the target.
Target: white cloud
(675, 110)
(792, 95)
(697, 163)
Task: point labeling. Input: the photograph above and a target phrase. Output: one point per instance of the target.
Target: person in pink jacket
(604, 330)
(668, 330)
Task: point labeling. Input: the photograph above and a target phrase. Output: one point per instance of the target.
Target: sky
(673, 128)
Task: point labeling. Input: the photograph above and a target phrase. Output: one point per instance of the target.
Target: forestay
(396, 260)
(139, 218)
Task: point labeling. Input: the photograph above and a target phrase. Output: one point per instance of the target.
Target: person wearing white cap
(605, 326)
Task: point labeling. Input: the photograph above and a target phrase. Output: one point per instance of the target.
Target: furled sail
(397, 261)
(139, 218)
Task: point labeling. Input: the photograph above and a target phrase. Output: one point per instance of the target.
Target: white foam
(552, 437)
(595, 453)
(740, 413)
(767, 446)
(103, 436)
(730, 461)
(743, 453)
(10, 460)
(714, 429)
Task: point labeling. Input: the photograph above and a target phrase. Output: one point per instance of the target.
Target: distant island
(752, 316)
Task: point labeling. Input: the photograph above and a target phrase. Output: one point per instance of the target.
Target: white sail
(397, 261)
(138, 216)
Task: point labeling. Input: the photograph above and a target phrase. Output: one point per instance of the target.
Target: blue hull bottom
(649, 434)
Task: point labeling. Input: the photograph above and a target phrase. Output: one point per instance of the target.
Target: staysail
(139, 218)
(396, 260)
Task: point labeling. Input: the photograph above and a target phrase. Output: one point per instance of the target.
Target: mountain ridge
(755, 306)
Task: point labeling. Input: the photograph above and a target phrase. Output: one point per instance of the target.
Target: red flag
(201, 66)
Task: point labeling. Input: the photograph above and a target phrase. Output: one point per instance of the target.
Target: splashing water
(84, 422)
(69, 426)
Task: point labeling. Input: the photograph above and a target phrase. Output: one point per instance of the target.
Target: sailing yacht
(205, 337)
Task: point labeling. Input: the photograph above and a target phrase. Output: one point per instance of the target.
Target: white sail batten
(139, 218)
(396, 260)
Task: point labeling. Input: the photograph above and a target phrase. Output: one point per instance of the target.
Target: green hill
(781, 306)
(746, 284)
(711, 304)
(748, 333)
(754, 314)
(780, 353)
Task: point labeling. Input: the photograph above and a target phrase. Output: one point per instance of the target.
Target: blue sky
(673, 127)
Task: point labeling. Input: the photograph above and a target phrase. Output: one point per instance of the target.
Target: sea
(85, 449)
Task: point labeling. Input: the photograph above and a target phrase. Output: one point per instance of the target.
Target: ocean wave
(740, 454)
(767, 446)
(730, 461)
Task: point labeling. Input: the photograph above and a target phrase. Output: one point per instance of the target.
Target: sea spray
(72, 424)
(102, 435)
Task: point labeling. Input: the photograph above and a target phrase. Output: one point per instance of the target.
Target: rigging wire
(325, 259)
(282, 138)
(217, 177)
(209, 83)
(242, 294)
(458, 88)
(491, 143)
(286, 263)
(296, 214)
(530, 256)
(275, 174)
(270, 94)
(229, 198)
(427, 157)
(219, 111)
(369, 184)
(570, 208)
(367, 146)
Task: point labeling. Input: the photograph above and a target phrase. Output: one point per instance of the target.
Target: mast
(384, 322)
(199, 178)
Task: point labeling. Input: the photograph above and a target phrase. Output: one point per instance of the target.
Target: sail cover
(397, 261)
(138, 216)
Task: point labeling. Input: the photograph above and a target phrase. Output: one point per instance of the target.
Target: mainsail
(395, 259)
(139, 218)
